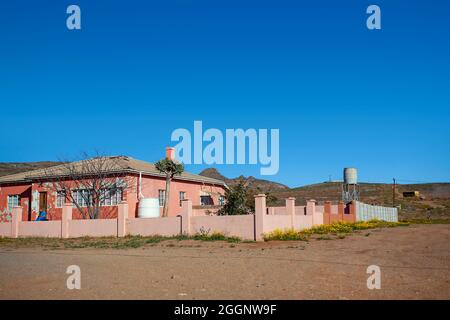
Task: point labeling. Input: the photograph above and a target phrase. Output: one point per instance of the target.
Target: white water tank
(350, 176)
(148, 208)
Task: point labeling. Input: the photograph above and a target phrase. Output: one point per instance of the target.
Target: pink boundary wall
(92, 228)
(241, 226)
(48, 229)
(247, 227)
(293, 217)
(169, 226)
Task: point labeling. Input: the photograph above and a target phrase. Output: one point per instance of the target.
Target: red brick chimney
(170, 153)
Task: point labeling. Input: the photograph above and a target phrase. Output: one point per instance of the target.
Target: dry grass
(107, 242)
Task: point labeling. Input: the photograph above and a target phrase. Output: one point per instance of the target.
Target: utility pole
(393, 193)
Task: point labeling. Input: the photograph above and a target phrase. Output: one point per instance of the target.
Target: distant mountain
(7, 168)
(433, 202)
(251, 182)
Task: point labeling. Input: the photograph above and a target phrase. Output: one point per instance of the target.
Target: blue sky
(340, 94)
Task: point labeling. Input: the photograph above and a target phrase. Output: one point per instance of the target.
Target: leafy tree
(170, 168)
(236, 200)
(240, 199)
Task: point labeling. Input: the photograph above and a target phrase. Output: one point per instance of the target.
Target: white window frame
(78, 198)
(161, 197)
(182, 196)
(60, 198)
(13, 201)
(111, 197)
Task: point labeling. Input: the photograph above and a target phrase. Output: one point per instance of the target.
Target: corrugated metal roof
(118, 164)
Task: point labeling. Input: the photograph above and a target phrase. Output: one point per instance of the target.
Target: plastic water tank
(350, 176)
(148, 208)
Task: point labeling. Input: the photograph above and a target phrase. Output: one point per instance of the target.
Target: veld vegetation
(340, 229)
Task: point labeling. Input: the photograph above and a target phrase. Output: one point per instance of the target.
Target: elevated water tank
(148, 208)
(350, 176)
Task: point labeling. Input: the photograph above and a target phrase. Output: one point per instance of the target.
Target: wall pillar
(290, 210)
(353, 210)
(65, 218)
(122, 216)
(311, 210)
(186, 214)
(260, 212)
(341, 208)
(16, 219)
(327, 212)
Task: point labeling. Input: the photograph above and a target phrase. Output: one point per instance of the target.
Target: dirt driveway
(414, 262)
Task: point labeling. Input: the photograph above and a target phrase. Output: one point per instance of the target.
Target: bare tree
(90, 183)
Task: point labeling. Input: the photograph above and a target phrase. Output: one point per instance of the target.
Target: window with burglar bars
(111, 197)
(108, 197)
(82, 197)
(162, 197)
(60, 198)
(182, 196)
(13, 201)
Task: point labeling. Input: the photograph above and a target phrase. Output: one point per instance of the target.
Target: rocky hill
(251, 182)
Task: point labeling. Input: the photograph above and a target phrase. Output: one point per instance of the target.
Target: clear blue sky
(340, 94)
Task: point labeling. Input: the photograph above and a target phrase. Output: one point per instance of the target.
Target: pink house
(34, 192)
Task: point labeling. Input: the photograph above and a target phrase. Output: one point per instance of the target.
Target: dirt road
(414, 262)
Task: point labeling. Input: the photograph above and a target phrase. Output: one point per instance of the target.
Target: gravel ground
(414, 262)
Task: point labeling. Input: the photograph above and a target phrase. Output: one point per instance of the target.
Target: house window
(206, 201)
(162, 197)
(221, 200)
(110, 197)
(13, 201)
(182, 196)
(82, 197)
(60, 198)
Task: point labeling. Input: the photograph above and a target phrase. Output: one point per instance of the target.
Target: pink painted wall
(205, 212)
(303, 222)
(319, 208)
(92, 228)
(300, 210)
(317, 218)
(151, 186)
(240, 225)
(276, 210)
(272, 222)
(5, 229)
(169, 226)
(44, 229)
